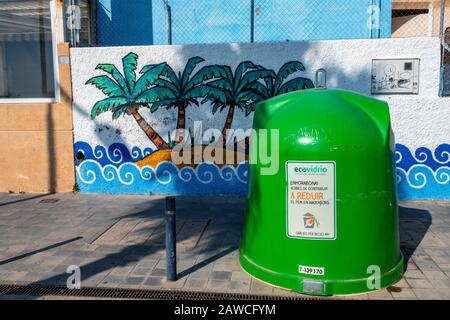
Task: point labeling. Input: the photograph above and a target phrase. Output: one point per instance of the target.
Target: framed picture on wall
(395, 76)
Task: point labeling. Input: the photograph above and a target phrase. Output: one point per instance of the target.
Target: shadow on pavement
(26, 255)
(414, 224)
(26, 198)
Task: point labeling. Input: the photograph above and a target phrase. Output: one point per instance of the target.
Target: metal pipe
(168, 21)
(171, 241)
(252, 21)
(443, 48)
(370, 18)
(77, 22)
(321, 83)
(441, 25)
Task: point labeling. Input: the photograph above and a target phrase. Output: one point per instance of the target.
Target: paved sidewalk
(118, 242)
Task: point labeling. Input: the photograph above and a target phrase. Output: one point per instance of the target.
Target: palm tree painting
(235, 90)
(277, 85)
(126, 94)
(185, 88)
(215, 86)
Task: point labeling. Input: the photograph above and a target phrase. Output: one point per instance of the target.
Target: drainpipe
(370, 18)
(378, 23)
(252, 21)
(430, 18)
(374, 8)
(441, 26)
(443, 48)
(168, 21)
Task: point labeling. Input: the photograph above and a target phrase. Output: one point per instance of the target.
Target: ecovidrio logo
(313, 169)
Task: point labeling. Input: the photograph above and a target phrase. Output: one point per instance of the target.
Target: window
(27, 53)
(79, 18)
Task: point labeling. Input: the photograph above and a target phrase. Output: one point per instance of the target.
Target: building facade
(36, 127)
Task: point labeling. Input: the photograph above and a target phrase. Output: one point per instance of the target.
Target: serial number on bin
(311, 270)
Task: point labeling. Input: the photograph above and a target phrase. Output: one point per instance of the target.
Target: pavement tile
(414, 274)
(112, 280)
(426, 266)
(427, 294)
(419, 283)
(200, 274)
(94, 280)
(240, 275)
(362, 296)
(441, 260)
(122, 270)
(161, 264)
(411, 265)
(402, 284)
(435, 275)
(153, 282)
(13, 276)
(140, 271)
(258, 287)
(444, 293)
(134, 280)
(174, 284)
(157, 272)
(223, 266)
(145, 263)
(405, 294)
(220, 275)
(195, 284)
(381, 294)
(441, 284)
(242, 286)
(216, 285)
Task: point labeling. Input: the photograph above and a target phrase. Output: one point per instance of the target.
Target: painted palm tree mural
(185, 88)
(158, 87)
(236, 90)
(274, 86)
(126, 94)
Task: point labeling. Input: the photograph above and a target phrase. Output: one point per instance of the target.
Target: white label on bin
(311, 199)
(311, 270)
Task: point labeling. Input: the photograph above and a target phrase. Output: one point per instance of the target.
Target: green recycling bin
(326, 222)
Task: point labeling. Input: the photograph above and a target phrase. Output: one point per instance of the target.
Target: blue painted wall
(124, 23)
(222, 21)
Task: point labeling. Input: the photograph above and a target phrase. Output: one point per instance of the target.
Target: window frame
(57, 96)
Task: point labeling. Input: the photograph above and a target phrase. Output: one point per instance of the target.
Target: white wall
(418, 120)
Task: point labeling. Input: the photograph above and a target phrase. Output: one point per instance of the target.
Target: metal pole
(252, 21)
(171, 249)
(370, 19)
(72, 35)
(168, 22)
(441, 26)
(77, 22)
(92, 23)
(441, 37)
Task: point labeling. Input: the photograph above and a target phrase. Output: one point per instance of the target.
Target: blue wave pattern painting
(115, 154)
(112, 170)
(422, 175)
